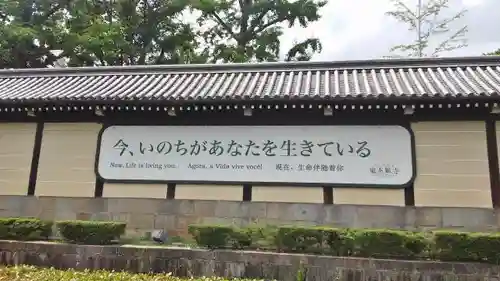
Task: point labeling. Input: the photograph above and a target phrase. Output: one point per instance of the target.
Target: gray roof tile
(392, 79)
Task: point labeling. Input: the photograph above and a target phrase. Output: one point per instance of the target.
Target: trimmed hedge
(463, 246)
(91, 232)
(212, 236)
(376, 243)
(25, 229)
(389, 244)
(313, 240)
(80, 232)
(227, 237)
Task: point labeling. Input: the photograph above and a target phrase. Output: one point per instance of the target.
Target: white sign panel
(329, 155)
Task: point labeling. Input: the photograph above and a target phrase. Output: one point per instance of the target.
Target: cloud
(359, 29)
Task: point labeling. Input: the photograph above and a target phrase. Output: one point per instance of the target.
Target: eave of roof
(368, 81)
(375, 64)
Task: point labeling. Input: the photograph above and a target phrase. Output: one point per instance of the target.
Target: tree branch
(52, 11)
(257, 20)
(447, 45)
(160, 56)
(270, 23)
(244, 16)
(404, 13)
(224, 25)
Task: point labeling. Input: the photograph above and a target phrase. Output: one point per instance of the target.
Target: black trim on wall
(72, 117)
(284, 116)
(99, 187)
(247, 192)
(328, 195)
(449, 114)
(37, 147)
(259, 117)
(171, 191)
(492, 149)
(409, 193)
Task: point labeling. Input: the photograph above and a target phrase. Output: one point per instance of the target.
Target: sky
(359, 29)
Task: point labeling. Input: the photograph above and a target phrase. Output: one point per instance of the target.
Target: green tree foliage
(428, 23)
(137, 32)
(495, 53)
(129, 32)
(95, 32)
(249, 30)
(29, 30)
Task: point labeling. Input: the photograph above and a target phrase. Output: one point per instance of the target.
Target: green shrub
(347, 242)
(485, 247)
(261, 237)
(450, 245)
(240, 238)
(229, 237)
(213, 236)
(30, 273)
(462, 246)
(313, 240)
(25, 229)
(90, 232)
(376, 243)
(389, 244)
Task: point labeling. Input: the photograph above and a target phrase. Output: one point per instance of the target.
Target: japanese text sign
(328, 155)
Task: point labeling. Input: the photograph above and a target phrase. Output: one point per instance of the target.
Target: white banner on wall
(334, 155)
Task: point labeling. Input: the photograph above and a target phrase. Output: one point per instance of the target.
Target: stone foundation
(199, 262)
(145, 215)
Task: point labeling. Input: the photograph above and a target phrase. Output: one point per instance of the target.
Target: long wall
(67, 158)
(145, 215)
(16, 153)
(236, 264)
(452, 164)
(452, 169)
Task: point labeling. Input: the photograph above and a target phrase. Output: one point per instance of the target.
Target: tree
(129, 32)
(29, 30)
(426, 22)
(249, 30)
(95, 32)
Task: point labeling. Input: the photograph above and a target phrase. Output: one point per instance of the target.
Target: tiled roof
(397, 80)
